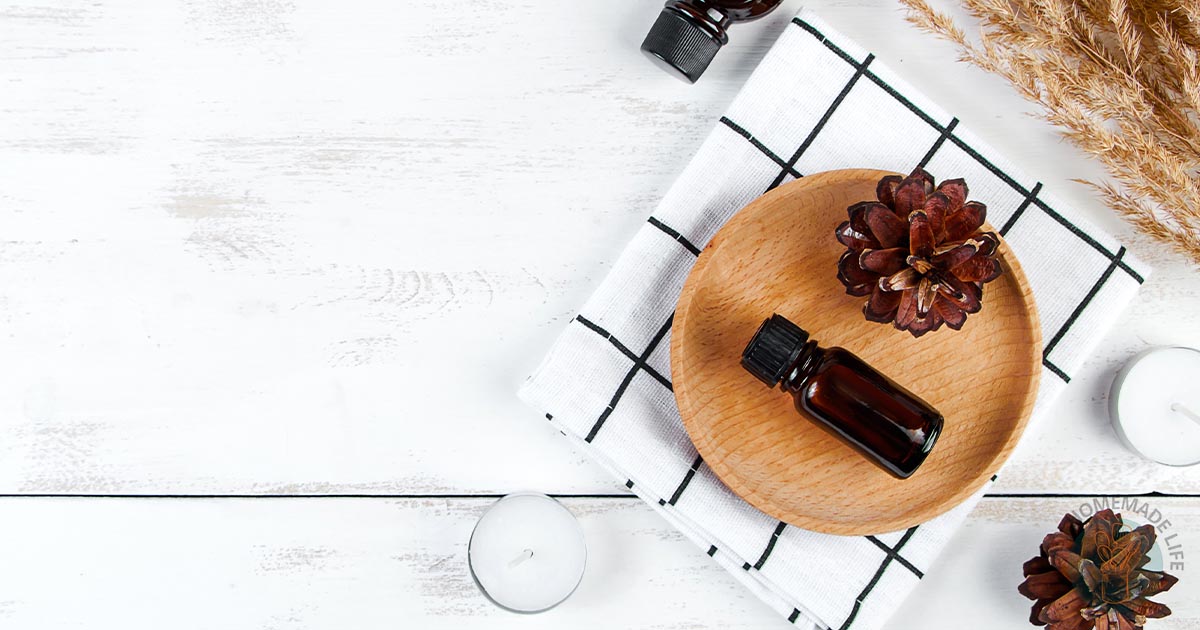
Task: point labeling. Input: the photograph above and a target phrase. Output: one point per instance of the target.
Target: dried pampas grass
(1122, 80)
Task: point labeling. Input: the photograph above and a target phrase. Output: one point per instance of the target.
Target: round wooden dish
(779, 255)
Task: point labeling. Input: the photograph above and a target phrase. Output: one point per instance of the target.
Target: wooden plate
(779, 255)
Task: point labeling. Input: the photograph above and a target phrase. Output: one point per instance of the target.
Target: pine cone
(918, 253)
(1090, 575)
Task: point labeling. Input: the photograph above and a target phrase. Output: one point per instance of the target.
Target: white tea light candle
(1155, 405)
(527, 553)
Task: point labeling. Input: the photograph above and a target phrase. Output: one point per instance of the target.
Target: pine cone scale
(966, 221)
(920, 238)
(858, 281)
(887, 228)
(1147, 608)
(882, 305)
(956, 191)
(1112, 620)
(1064, 612)
(911, 193)
(1047, 585)
(954, 316)
(883, 261)
(955, 254)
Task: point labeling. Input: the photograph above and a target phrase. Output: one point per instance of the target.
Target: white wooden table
(272, 270)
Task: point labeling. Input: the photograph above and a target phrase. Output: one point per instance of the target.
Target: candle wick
(1188, 413)
(525, 555)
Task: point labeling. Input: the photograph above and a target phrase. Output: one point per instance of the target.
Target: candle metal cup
(527, 553)
(1155, 405)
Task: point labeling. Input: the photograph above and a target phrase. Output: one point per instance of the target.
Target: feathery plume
(1120, 78)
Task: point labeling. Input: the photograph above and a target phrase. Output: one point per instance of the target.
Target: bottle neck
(707, 15)
(802, 368)
(725, 12)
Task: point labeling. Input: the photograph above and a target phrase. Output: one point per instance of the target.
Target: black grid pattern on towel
(892, 554)
(946, 133)
(639, 361)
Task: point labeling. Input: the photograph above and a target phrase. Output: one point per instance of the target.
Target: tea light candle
(1155, 405)
(527, 553)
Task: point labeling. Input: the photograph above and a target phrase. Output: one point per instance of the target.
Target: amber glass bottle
(884, 421)
(688, 33)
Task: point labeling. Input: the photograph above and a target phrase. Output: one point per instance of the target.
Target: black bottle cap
(774, 348)
(681, 45)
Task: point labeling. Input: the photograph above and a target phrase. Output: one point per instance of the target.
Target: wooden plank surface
(289, 247)
(275, 247)
(378, 564)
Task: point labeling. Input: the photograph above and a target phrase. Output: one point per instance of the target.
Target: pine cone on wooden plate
(918, 252)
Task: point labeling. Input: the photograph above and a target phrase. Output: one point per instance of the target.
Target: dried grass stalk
(1121, 78)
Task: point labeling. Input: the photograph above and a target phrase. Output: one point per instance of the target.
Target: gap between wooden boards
(628, 496)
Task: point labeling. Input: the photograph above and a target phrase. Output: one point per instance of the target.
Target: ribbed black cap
(680, 44)
(774, 348)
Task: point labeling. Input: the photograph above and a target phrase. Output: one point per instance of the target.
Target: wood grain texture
(233, 232)
(146, 564)
(779, 255)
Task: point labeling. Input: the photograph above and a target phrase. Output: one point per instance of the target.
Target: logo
(1168, 553)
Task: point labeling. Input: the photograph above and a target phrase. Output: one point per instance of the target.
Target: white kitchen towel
(816, 102)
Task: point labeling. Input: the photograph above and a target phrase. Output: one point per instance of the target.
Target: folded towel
(816, 102)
